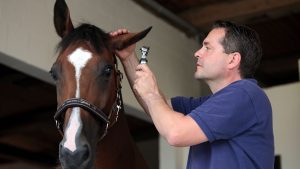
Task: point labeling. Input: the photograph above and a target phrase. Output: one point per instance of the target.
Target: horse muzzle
(81, 158)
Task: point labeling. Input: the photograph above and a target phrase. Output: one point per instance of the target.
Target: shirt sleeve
(186, 104)
(225, 114)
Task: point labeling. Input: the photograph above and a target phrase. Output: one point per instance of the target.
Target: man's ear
(234, 60)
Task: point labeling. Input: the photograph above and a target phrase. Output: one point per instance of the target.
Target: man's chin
(198, 76)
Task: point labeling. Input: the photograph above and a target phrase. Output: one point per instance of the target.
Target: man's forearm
(130, 65)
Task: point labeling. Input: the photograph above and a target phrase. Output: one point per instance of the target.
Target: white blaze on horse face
(79, 59)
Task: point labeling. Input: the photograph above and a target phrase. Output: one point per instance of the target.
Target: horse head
(88, 86)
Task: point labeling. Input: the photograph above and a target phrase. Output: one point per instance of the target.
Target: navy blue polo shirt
(237, 121)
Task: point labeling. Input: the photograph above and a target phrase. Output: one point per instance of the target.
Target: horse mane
(95, 36)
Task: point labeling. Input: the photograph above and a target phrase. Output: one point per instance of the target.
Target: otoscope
(145, 51)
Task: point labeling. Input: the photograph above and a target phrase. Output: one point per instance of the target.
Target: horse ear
(122, 41)
(62, 20)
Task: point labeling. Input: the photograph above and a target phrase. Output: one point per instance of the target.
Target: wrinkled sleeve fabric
(186, 104)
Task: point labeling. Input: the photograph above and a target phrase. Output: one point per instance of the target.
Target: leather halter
(94, 110)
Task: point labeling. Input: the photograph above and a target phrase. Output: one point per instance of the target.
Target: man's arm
(177, 129)
(130, 65)
(129, 61)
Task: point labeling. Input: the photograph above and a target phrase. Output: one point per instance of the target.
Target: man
(230, 129)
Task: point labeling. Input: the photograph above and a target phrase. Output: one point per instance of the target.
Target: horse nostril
(85, 153)
(76, 158)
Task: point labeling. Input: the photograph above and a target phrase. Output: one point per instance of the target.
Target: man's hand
(124, 53)
(145, 85)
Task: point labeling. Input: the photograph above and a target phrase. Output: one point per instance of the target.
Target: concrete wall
(285, 102)
(172, 157)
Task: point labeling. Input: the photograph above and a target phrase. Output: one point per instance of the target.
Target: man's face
(212, 61)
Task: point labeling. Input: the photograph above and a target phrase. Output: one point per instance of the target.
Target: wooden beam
(299, 68)
(277, 71)
(201, 17)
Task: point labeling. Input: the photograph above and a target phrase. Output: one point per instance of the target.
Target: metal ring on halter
(104, 133)
(116, 108)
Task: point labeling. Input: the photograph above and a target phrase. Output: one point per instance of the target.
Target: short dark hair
(246, 41)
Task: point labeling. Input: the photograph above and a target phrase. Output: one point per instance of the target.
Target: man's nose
(197, 54)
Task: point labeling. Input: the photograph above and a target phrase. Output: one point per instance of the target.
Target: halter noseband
(94, 110)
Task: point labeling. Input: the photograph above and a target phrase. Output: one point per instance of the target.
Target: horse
(90, 113)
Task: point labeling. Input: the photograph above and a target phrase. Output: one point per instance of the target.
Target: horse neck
(118, 150)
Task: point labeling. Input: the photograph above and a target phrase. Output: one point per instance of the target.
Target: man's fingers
(118, 32)
(142, 67)
(139, 73)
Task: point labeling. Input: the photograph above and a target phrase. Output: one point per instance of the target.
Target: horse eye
(53, 74)
(107, 70)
